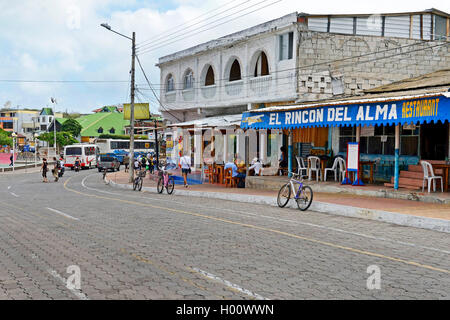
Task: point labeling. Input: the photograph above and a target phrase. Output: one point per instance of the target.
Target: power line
(62, 81)
(153, 91)
(215, 26)
(164, 34)
(327, 63)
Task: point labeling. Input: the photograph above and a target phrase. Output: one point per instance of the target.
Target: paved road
(134, 245)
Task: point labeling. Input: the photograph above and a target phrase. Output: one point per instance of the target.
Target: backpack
(58, 164)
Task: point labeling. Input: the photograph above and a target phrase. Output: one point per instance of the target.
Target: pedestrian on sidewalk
(44, 169)
(11, 158)
(150, 165)
(185, 164)
(126, 162)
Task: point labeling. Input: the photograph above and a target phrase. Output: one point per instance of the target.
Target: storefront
(394, 131)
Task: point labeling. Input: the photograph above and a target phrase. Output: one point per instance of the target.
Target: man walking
(12, 160)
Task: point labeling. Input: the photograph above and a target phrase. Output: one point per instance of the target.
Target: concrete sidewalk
(397, 211)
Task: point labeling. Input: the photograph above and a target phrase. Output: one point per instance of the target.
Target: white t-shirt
(256, 166)
(185, 162)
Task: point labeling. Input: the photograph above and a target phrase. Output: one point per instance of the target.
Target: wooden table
(445, 169)
(367, 163)
(219, 172)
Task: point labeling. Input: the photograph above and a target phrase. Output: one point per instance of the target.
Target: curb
(434, 224)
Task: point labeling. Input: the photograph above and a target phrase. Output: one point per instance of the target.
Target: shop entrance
(434, 141)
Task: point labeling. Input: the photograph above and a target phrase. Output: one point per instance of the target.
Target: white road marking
(15, 195)
(237, 212)
(63, 214)
(80, 295)
(229, 284)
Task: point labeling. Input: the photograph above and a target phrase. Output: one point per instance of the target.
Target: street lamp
(53, 100)
(133, 55)
(35, 149)
(14, 135)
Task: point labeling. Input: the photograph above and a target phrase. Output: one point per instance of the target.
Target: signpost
(353, 164)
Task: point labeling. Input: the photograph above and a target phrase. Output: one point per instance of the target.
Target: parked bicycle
(140, 175)
(165, 181)
(303, 196)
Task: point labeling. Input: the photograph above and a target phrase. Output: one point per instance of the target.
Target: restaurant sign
(366, 114)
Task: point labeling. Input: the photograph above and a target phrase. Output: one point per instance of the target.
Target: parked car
(108, 163)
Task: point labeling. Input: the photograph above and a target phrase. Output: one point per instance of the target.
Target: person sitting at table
(255, 168)
(234, 170)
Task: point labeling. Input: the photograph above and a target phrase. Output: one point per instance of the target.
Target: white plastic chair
(314, 166)
(301, 166)
(334, 169)
(428, 175)
(342, 168)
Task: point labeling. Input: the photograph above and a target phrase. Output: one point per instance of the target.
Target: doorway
(434, 141)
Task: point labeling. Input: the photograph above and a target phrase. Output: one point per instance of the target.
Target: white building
(231, 74)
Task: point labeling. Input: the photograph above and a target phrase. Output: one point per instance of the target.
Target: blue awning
(423, 109)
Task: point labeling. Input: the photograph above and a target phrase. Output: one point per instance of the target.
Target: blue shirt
(233, 167)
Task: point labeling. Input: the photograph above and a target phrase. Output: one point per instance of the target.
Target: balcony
(171, 96)
(234, 88)
(208, 92)
(260, 85)
(188, 94)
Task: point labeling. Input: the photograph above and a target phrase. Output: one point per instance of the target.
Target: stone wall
(382, 60)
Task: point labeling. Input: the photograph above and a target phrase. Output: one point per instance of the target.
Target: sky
(61, 40)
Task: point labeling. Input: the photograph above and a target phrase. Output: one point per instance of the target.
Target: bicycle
(303, 197)
(165, 180)
(137, 184)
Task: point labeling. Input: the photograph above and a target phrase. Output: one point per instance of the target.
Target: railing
(208, 92)
(260, 85)
(171, 96)
(234, 88)
(188, 94)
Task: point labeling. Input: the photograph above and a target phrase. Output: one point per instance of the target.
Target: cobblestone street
(137, 245)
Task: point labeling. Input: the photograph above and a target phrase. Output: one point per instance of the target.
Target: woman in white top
(256, 166)
(185, 164)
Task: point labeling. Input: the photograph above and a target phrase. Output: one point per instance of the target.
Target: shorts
(185, 171)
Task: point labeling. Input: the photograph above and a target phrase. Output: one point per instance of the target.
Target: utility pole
(156, 143)
(133, 55)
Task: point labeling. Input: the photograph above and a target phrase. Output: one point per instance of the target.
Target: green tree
(72, 126)
(62, 138)
(5, 138)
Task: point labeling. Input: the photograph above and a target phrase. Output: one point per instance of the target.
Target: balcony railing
(261, 85)
(208, 92)
(171, 96)
(234, 88)
(188, 94)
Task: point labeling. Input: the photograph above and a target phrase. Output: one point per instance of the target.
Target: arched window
(100, 130)
(170, 83)
(261, 66)
(189, 79)
(112, 130)
(235, 71)
(209, 80)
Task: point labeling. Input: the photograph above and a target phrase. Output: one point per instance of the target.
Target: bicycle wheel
(140, 184)
(135, 184)
(160, 186)
(305, 199)
(284, 195)
(170, 185)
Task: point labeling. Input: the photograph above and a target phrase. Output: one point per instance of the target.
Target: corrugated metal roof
(368, 98)
(433, 79)
(219, 121)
